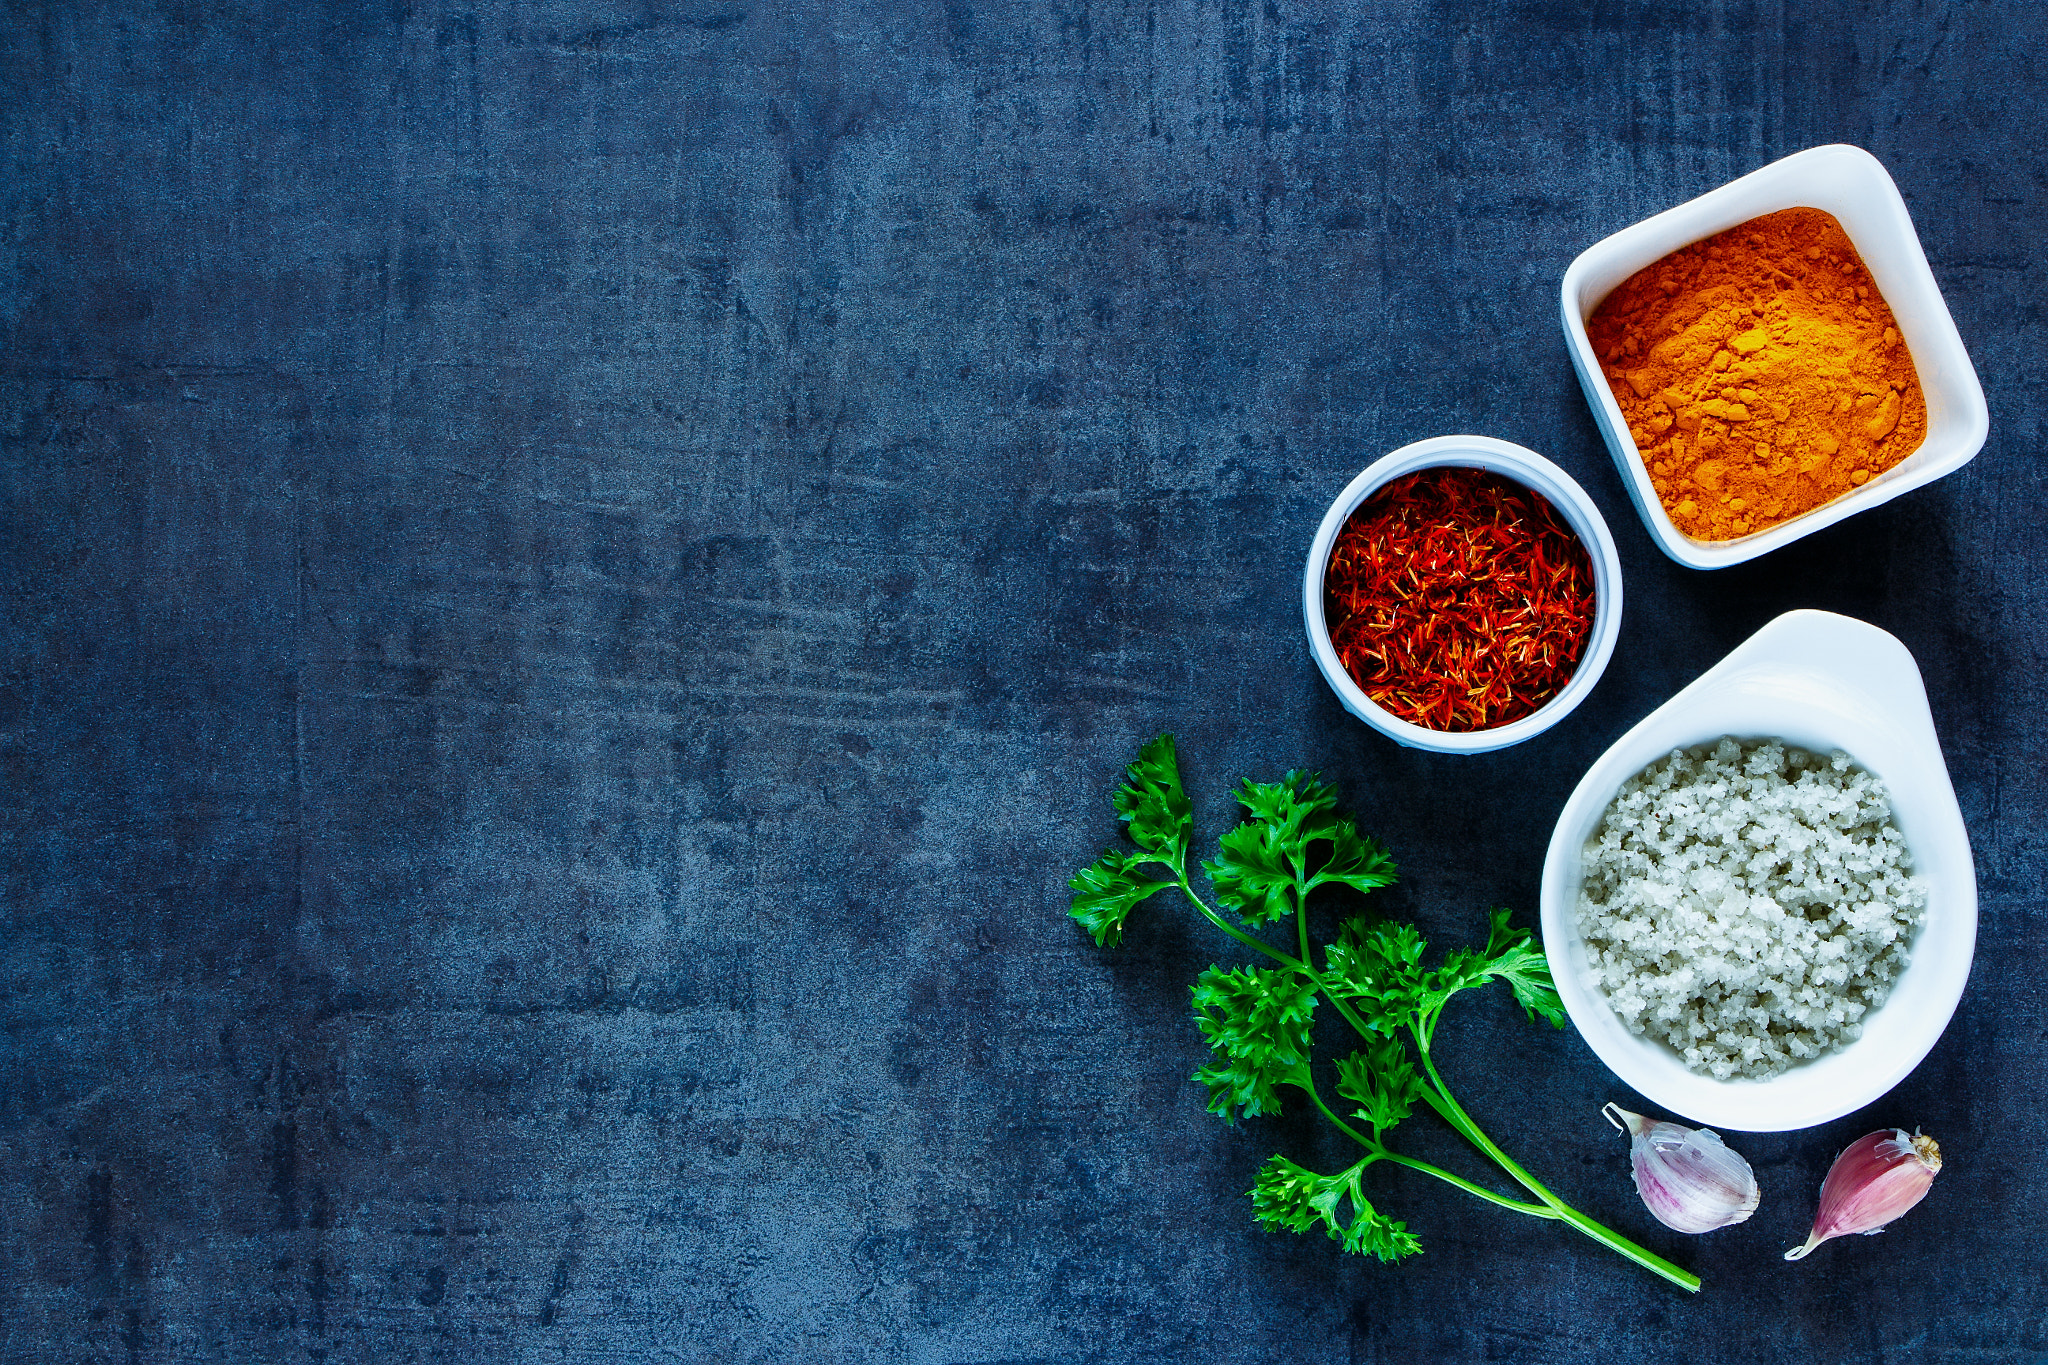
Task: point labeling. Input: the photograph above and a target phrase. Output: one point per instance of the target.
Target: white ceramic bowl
(1821, 682)
(1851, 184)
(1530, 470)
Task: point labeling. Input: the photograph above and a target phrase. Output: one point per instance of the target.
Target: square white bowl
(1851, 184)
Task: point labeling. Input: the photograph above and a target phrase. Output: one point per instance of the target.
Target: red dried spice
(1458, 599)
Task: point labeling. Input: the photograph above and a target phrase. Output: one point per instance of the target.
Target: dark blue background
(577, 577)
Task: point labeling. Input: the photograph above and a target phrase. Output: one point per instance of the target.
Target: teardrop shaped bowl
(1821, 682)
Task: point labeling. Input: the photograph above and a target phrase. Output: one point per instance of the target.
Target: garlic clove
(1689, 1179)
(1876, 1178)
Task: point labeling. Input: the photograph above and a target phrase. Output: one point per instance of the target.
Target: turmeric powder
(1761, 373)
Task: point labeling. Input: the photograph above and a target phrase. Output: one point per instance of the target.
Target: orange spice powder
(1761, 373)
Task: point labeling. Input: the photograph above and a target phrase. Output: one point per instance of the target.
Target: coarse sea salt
(1748, 904)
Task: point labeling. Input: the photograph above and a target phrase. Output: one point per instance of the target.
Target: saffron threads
(1458, 599)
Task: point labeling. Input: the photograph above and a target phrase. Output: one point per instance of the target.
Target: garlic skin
(1689, 1179)
(1876, 1178)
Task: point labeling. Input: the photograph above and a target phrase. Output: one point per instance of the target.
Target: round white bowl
(1820, 682)
(1851, 184)
(1532, 471)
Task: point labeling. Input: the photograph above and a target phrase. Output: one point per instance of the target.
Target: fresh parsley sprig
(1259, 1019)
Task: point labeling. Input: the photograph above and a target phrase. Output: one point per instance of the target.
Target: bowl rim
(1884, 236)
(1532, 471)
(1819, 672)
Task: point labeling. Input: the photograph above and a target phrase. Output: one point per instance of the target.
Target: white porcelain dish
(1821, 682)
(1530, 470)
(1851, 184)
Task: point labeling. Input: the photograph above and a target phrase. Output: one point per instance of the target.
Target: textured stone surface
(577, 575)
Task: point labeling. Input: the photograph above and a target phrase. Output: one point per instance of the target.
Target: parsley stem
(1614, 1241)
(1533, 1210)
(1459, 1119)
(1308, 1084)
(1308, 960)
(1240, 935)
(1357, 1025)
(1379, 1149)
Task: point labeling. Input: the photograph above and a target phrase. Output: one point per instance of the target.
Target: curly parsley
(1259, 1019)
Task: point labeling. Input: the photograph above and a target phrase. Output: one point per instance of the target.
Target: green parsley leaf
(1462, 969)
(1294, 803)
(1382, 1081)
(1257, 1023)
(1152, 803)
(1397, 948)
(1254, 873)
(1105, 893)
(1510, 956)
(1356, 860)
(1515, 959)
(1295, 1199)
(1260, 872)
(1374, 965)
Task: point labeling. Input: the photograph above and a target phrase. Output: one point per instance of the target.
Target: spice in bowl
(1748, 904)
(1457, 599)
(1761, 374)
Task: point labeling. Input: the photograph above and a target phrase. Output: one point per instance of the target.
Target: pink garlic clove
(1876, 1178)
(1689, 1179)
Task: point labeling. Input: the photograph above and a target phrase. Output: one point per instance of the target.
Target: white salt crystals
(1747, 904)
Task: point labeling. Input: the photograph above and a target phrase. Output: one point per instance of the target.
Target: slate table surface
(578, 575)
